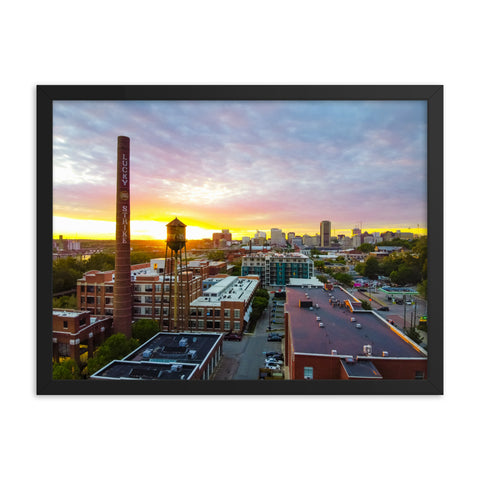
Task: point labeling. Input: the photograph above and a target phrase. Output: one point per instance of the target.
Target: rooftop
(120, 369)
(232, 289)
(166, 356)
(176, 347)
(326, 328)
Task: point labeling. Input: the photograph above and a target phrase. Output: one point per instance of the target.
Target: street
(241, 360)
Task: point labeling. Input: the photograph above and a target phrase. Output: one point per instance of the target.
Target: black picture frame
(47, 94)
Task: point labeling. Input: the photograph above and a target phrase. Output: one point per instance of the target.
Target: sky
(243, 166)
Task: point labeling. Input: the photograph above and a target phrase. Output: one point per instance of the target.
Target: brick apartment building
(75, 332)
(326, 340)
(225, 304)
(153, 296)
(152, 292)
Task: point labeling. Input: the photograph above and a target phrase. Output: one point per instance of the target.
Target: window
(226, 325)
(236, 313)
(148, 310)
(209, 324)
(200, 324)
(137, 288)
(236, 326)
(217, 324)
(65, 324)
(90, 288)
(90, 299)
(226, 313)
(148, 288)
(217, 312)
(109, 289)
(308, 373)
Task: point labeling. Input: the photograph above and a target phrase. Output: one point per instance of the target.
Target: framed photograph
(240, 240)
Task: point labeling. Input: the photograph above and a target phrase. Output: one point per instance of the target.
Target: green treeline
(401, 268)
(116, 347)
(66, 271)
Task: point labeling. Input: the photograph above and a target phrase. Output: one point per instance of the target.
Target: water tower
(176, 244)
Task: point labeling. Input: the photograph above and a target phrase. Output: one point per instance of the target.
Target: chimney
(122, 295)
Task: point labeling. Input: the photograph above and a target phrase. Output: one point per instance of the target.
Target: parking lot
(242, 360)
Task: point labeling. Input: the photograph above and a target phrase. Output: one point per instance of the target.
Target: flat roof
(121, 370)
(166, 356)
(232, 289)
(178, 347)
(338, 332)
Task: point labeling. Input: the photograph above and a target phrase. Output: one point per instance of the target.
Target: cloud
(245, 162)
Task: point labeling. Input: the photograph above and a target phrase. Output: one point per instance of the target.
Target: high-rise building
(277, 237)
(325, 233)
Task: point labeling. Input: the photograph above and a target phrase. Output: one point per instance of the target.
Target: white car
(273, 361)
(272, 367)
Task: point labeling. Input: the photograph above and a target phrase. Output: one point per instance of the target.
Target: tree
(144, 329)
(413, 334)
(100, 261)
(115, 347)
(216, 255)
(67, 370)
(372, 268)
(366, 248)
(366, 305)
(344, 278)
(65, 301)
(66, 272)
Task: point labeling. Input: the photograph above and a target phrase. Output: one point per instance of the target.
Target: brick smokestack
(122, 295)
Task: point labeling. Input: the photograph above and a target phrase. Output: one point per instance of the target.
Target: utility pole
(404, 312)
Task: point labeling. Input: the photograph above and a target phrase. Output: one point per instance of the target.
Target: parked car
(274, 337)
(273, 361)
(233, 336)
(276, 356)
(273, 367)
(383, 309)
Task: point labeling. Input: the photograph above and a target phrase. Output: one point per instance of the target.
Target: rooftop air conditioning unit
(352, 319)
(384, 353)
(367, 350)
(334, 352)
(321, 325)
(358, 325)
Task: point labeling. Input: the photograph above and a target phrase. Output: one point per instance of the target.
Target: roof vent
(321, 325)
(384, 353)
(352, 319)
(358, 325)
(367, 350)
(334, 352)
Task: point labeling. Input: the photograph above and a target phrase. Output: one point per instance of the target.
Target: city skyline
(245, 166)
